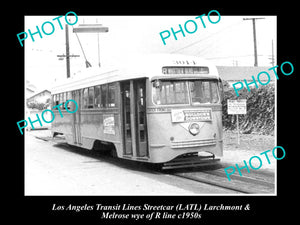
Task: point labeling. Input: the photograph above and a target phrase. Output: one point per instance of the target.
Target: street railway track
(252, 183)
(257, 184)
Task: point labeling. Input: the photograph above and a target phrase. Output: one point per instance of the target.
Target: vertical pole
(238, 129)
(254, 38)
(272, 54)
(67, 51)
(98, 51)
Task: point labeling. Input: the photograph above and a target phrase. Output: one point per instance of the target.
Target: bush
(260, 117)
(37, 105)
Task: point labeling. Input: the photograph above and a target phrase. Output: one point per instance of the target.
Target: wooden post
(254, 38)
(238, 129)
(67, 51)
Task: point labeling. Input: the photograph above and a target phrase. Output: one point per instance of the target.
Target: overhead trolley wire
(196, 42)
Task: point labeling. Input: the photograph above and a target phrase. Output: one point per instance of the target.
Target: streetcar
(164, 109)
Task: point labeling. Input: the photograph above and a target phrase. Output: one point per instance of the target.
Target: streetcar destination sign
(185, 70)
(190, 115)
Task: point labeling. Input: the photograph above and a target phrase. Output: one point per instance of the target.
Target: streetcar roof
(149, 66)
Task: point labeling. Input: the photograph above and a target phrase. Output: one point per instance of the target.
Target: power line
(196, 42)
(233, 56)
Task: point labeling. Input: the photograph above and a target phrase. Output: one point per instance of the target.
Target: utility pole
(254, 38)
(272, 58)
(67, 52)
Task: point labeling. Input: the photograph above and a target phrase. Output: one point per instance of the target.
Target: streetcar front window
(204, 92)
(170, 92)
(185, 92)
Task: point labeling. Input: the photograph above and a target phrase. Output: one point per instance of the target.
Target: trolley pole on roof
(254, 38)
(90, 28)
(82, 28)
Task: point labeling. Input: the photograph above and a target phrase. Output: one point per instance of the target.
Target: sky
(226, 43)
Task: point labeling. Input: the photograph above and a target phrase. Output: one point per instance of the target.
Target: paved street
(56, 169)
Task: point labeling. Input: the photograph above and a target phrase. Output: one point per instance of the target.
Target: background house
(233, 74)
(40, 97)
(35, 104)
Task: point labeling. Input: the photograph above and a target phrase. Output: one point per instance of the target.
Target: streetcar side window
(64, 100)
(53, 100)
(91, 98)
(56, 100)
(111, 98)
(69, 96)
(61, 100)
(103, 95)
(85, 98)
(100, 96)
(97, 96)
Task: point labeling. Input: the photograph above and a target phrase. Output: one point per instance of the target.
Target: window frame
(97, 104)
(90, 101)
(187, 83)
(109, 95)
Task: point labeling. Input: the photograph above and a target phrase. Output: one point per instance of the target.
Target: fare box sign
(237, 106)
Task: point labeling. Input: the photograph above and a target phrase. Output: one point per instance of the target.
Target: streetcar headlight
(194, 128)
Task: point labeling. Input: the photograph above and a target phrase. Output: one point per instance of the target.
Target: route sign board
(237, 106)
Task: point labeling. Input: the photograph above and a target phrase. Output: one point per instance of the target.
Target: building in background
(233, 74)
(40, 97)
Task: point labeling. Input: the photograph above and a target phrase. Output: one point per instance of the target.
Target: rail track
(250, 183)
(255, 183)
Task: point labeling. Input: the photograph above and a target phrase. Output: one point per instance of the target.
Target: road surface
(59, 169)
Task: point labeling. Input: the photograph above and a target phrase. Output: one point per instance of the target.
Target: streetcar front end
(184, 115)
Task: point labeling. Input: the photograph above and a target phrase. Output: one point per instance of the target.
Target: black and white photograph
(124, 115)
(157, 107)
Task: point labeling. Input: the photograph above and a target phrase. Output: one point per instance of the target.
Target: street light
(90, 28)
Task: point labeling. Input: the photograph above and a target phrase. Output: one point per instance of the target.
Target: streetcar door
(134, 118)
(76, 119)
(126, 118)
(139, 87)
